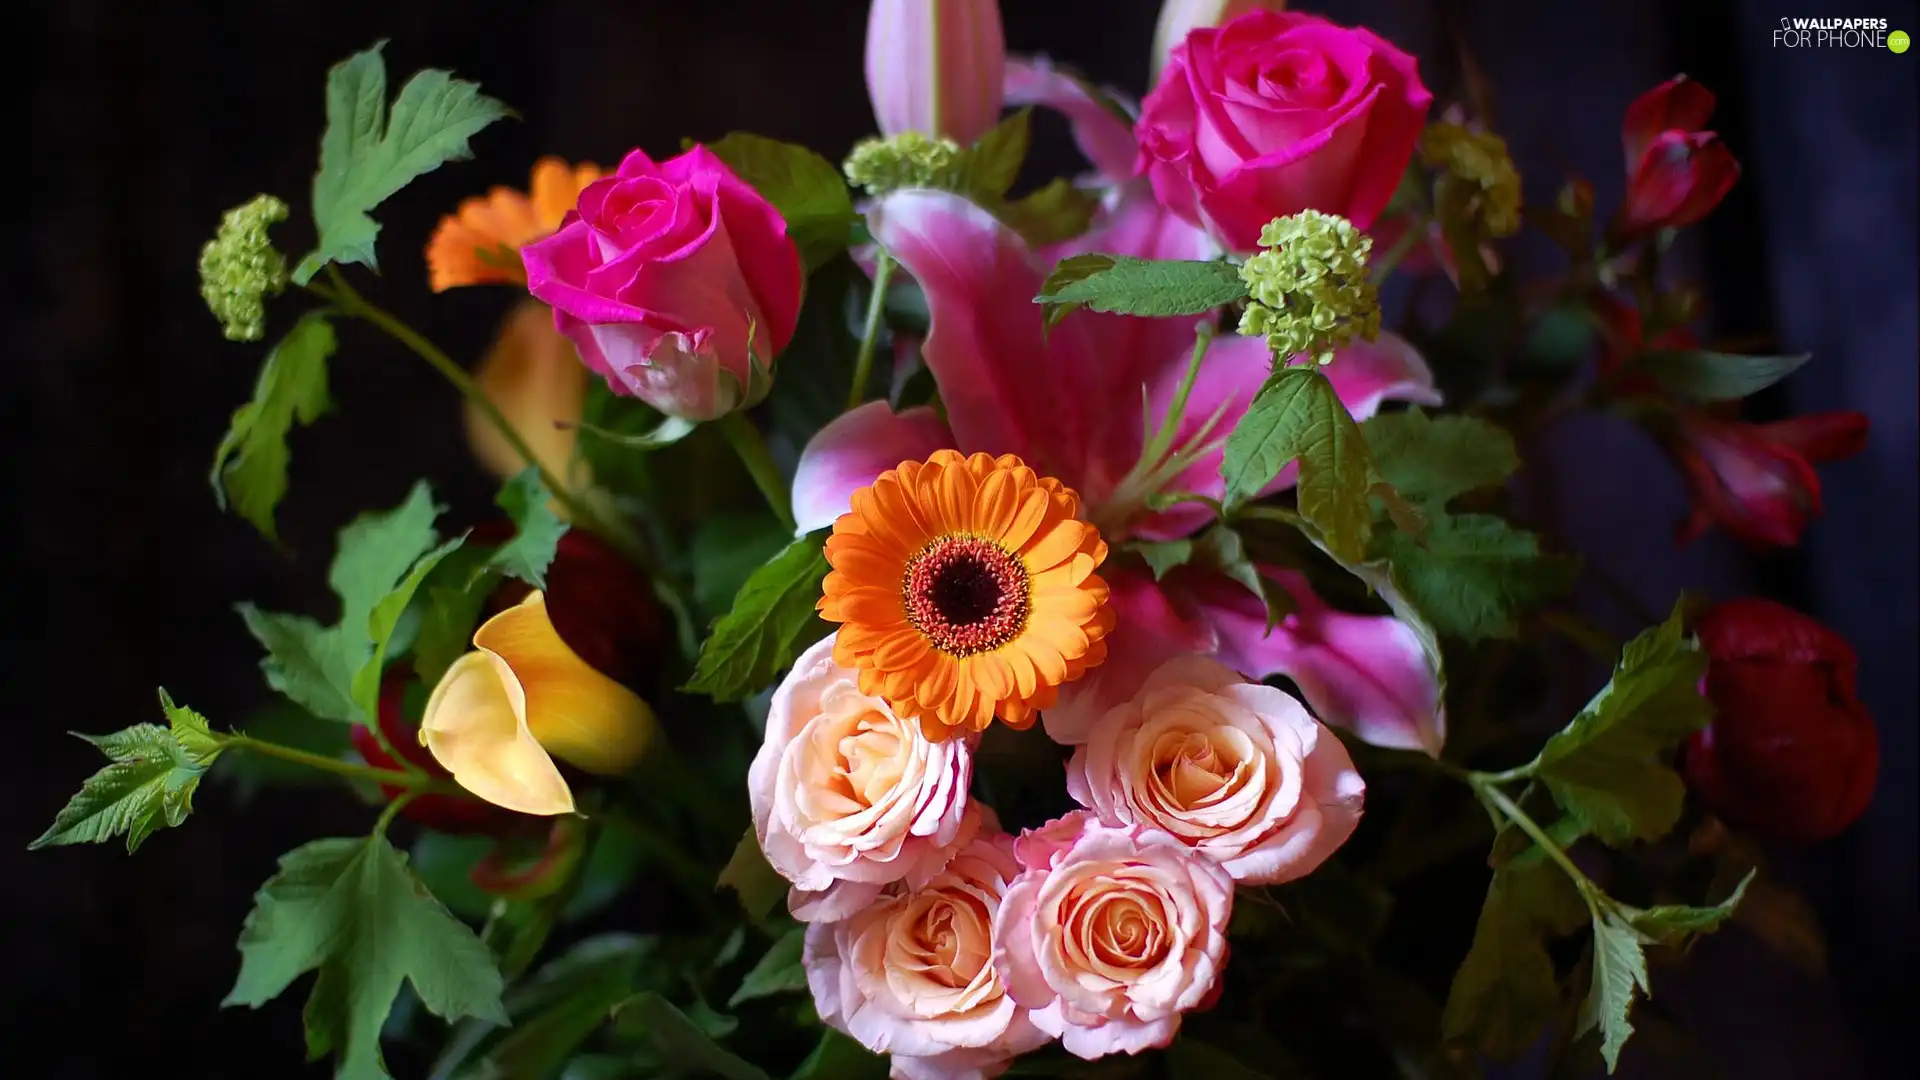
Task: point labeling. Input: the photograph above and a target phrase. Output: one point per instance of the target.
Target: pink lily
(1069, 402)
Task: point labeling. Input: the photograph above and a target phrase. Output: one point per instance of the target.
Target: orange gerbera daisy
(480, 243)
(965, 589)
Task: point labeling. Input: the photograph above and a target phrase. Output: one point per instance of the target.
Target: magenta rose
(674, 280)
(1278, 112)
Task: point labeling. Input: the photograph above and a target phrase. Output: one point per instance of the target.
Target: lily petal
(1103, 136)
(1367, 373)
(1149, 628)
(475, 725)
(856, 447)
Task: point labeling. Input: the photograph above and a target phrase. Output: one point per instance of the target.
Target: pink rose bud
(1236, 770)
(936, 66)
(1676, 172)
(1159, 912)
(1275, 113)
(1757, 480)
(676, 281)
(1180, 17)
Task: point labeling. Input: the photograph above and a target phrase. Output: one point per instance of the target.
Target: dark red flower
(1757, 480)
(1676, 172)
(1791, 752)
(445, 813)
(602, 607)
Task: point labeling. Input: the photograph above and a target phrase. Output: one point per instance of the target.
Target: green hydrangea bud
(1309, 288)
(240, 270)
(1478, 163)
(907, 160)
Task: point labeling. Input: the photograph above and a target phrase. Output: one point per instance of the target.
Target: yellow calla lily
(501, 714)
(534, 377)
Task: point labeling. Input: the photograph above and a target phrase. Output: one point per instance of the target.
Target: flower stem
(751, 447)
(417, 783)
(1489, 791)
(1416, 231)
(870, 338)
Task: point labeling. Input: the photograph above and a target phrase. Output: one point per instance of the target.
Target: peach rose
(1235, 770)
(849, 798)
(1114, 938)
(913, 975)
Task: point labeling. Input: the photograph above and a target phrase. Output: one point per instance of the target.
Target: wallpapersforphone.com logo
(1839, 34)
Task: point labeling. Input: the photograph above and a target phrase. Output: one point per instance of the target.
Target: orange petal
(535, 379)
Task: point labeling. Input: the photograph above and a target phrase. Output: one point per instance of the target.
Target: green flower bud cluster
(1309, 289)
(240, 270)
(907, 160)
(1482, 171)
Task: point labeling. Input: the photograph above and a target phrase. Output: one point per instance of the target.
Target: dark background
(143, 121)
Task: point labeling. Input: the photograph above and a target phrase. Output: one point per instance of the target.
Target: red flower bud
(445, 813)
(1757, 480)
(1791, 752)
(1676, 172)
(602, 607)
(518, 871)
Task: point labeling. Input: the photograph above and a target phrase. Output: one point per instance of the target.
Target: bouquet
(940, 626)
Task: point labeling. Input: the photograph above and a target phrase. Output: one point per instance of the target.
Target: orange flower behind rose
(965, 590)
(479, 244)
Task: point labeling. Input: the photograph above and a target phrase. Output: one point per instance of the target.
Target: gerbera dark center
(967, 594)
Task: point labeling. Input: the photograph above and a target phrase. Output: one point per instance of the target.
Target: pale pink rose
(1238, 771)
(675, 280)
(1120, 935)
(912, 974)
(935, 66)
(848, 798)
(1275, 113)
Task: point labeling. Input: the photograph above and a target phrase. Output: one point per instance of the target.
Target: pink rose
(913, 974)
(1235, 770)
(848, 798)
(1124, 932)
(675, 281)
(1275, 113)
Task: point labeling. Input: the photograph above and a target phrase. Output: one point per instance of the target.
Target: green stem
(1170, 424)
(751, 446)
(416, 782)
(870, 338)
(392, 811)
(1487, 787)
(1416, 231)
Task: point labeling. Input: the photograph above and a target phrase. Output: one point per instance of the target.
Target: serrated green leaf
(1298, 416)
(993, 161)
(150, 781)
(680, 1042)
(1506, 990)
(753, 880)
(368, 154)
(316, 666)
(1606, 768)
(351, 910)
(772, 619)
(1163, 555)
(1052, 214)
(450, 602)
(1673, 924)
(250, 466)
(1125, 285)
(536, 529)
(1475, 574)
(807, 189)
(385, 619)
(1433, 460)
(1714, 376)
(1223, 550)
(1619, 969)
(777, 972)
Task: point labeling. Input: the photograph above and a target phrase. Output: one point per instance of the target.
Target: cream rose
(1235, 770)
(1111, 939)
(849, 798)
(913, 974)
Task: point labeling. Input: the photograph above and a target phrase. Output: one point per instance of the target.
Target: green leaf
(1619, 968)
(368, 154)
(1506, 990)
(726, 549)
(1475, 574)
(1222, 549)
(757, 884)
(777, 972)
(1298, 416)
(993, 161)
(385, 619)
(839, 1057)
(1673, 924)
(1606, 767)
(771, 621)
(1189, 1056)
(681, 1044)
(351, 910)
(1433, 460)
(316, 665)
(807, 189)
(536, 529)
(1715, 376)
(1057, 212)
(563, 1004)
(1126, 285)
(451, 600)
(668, 431)
(150, 781)
(250, 467)
(1163, 555)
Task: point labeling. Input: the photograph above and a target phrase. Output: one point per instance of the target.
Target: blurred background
(142, 122)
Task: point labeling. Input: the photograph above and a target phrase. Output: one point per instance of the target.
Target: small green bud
(907, 160)
(1309, 289)
(1478, 163)
(240, 270)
